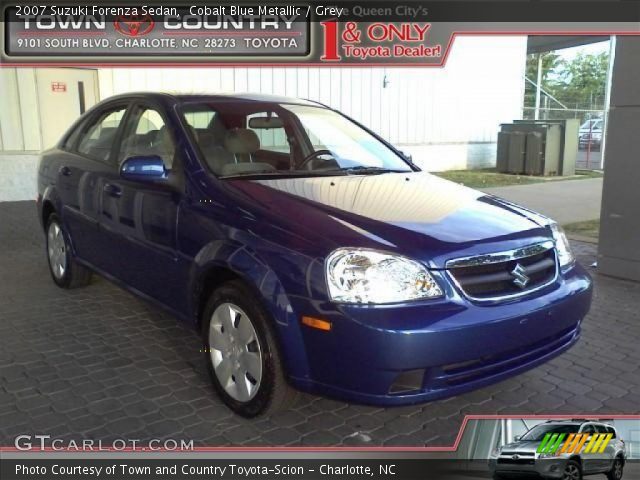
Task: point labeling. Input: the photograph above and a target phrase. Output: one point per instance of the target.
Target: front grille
(516, 461)
(505, 274)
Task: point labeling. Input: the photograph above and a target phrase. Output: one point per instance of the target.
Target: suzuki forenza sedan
(308, 251)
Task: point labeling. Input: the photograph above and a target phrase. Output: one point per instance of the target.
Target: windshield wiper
(365, 169)
(278, 173)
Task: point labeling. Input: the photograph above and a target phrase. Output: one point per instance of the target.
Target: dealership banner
(225, 469)
(335, 33)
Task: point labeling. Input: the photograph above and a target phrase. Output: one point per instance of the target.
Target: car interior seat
(241, 144)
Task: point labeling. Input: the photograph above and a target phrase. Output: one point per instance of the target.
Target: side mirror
(143, 168)
(517, 438)
(408, 156)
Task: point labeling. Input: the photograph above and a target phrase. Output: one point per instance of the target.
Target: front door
(139, 218)
(590, 460)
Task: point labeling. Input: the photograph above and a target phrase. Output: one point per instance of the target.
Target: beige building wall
(446, 118)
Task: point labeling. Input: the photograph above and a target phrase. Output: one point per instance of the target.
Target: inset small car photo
(566, 450)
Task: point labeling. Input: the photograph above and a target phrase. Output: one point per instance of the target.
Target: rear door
(589, 460)
(87, 159)
(139, 218)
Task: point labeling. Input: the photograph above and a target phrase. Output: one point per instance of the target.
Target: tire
(572, 471)
(617, 470)
(64, 270)
(242, 353)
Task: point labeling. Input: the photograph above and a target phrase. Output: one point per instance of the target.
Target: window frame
(590, 425)
(82, 129)
(132, 116)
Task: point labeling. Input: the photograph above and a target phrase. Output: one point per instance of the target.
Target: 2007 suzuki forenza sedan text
(308, 251)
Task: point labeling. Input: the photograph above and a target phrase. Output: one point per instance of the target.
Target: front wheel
(242, 353)
(64, 269)
(572, 471)
(616, 470)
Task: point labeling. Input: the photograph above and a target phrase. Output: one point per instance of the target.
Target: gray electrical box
(549, 147)
(502, 156)
(510, 156)
(517, 148)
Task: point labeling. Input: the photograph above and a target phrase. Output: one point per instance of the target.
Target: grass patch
(590, 228)
(489, 178)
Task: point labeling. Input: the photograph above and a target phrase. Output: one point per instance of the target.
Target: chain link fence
(590, 136)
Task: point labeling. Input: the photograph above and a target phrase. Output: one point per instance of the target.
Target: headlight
(496, 452)
(565, 255)
(547, 455)
(369, 276)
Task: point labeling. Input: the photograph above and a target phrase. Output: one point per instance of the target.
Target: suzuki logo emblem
(520, 277)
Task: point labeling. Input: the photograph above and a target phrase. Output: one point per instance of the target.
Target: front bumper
(417, 352)
(539, 468)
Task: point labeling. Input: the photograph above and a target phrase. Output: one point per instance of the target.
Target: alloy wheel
(571, 472)
(617, 469)
(235, 352)
(57, 250)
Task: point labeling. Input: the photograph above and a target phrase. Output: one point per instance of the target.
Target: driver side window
(147, 134)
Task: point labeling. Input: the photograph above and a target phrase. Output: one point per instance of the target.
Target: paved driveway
(98, 363)
(564, 201)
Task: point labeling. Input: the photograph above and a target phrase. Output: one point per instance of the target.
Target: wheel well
(212, 279)
(577, 459)
(47, 210)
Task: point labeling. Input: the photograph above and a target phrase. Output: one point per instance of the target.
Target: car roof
(216, 97)
(577, 422)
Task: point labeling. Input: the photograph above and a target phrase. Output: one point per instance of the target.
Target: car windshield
(537, 433)
(239, 138)
(593, 124)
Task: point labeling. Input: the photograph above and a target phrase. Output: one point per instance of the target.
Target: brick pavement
(99, 363)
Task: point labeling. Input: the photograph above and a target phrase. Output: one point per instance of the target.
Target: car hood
(414, 213)
(521, 446)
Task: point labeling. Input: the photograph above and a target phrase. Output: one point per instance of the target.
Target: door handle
(66, 171)
(112, 190)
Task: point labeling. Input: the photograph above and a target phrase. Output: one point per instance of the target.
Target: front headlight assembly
(548, 455)
(565, 255)
(358, 275)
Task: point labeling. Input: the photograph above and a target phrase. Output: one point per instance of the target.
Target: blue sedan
(310, 253)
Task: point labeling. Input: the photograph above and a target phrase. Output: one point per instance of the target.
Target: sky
(594, 49)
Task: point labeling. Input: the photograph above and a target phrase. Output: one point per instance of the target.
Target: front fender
(49, 196)
(248, 265)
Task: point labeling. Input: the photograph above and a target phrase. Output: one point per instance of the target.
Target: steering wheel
(311, 156)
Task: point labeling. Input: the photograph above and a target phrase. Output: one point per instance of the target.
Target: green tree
(583, 80)
(578, 83)
(550, 63)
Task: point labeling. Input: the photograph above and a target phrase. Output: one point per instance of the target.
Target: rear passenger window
(98, 136)
(612, 431)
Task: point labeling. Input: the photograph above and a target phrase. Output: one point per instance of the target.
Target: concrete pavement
(98, 363)
(565, 201)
